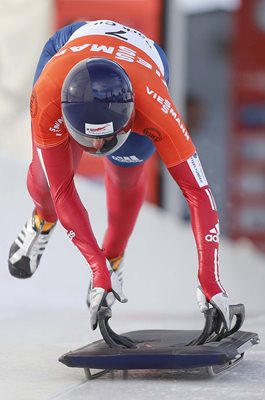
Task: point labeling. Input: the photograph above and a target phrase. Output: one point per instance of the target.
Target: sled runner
(213, 348)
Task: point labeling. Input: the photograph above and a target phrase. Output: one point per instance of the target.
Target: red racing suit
(156, 117)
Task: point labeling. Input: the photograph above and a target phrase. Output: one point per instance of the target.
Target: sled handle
(111, 337)
(238, 311)
(214, 329)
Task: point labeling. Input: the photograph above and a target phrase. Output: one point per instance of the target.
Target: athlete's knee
(40, 193)
(37, 183)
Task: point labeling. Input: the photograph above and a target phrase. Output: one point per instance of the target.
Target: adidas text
(128, 159)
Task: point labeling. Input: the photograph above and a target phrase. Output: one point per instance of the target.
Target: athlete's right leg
(27, 249)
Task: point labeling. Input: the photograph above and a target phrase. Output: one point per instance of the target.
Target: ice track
(46, 316)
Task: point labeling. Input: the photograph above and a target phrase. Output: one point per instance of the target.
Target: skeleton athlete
(101, 87)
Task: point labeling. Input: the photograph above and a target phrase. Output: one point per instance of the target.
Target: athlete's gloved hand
(99, 297)
(218, 301)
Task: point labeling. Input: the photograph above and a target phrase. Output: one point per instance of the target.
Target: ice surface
(43, 317)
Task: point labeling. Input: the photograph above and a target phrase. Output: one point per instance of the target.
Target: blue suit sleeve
(164, 61)
(54, 44)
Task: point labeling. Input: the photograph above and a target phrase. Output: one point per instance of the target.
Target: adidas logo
(213, 235)
(128, 159)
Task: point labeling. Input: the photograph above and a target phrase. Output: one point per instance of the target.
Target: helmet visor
(99, 145)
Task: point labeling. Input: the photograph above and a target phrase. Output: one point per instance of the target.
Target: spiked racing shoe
(26, 251)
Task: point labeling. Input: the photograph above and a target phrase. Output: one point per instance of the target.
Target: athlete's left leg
(125, 181)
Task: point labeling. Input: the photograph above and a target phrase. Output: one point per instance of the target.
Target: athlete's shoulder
(46, 115)
(63, 35)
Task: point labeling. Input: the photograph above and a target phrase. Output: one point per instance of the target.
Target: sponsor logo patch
(71, 235)
(166, 107)
(196, 168)
(99, 129)
(127, 159)
(153, 133)
(56, 128)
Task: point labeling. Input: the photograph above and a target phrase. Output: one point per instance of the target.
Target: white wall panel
(25, 27)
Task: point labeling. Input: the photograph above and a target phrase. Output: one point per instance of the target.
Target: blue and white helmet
(98, 105)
